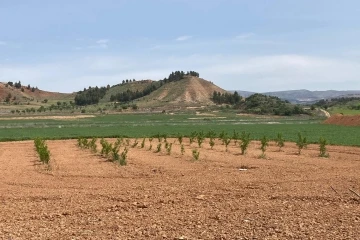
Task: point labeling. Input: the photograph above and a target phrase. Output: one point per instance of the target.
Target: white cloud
(240, 72)
(283, 72)
(102, 41)
(352, 53)
(101, 44)
(183, 38)
(244, 35)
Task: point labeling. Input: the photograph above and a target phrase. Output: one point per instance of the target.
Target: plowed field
(157, 196)
(351, 120)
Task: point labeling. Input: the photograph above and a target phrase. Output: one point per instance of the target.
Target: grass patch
(148, 125)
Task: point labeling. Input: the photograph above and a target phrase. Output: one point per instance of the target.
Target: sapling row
(42, 149)
(108, 150)
(301, 142)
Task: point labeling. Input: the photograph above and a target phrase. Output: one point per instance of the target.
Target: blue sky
(254, 45)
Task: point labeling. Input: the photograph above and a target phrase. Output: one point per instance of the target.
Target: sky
(252, 45)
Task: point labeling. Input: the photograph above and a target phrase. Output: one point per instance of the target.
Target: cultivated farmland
(223, 195)
(185, 176)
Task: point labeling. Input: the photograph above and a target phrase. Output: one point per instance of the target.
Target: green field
(145, 125)
(343, 110)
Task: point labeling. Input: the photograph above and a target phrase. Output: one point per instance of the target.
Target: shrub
(222, 136)
(196, 154)
(192, 137)
(168, 148)
(226, 141)
(180, 138)
(212, 143)
(159, 137)
(115, 153)
(235, 137)
(106, 147)
(92, 145)
(280, 142)
(323, 150)
(119, 141)
(158, 148)
(301, 142)
(245, 141)
(123, 157)
(200, 137)
(164, 136)
(85, 143)
(79, 142)
(135, 143)
(264, 144)
(42, 150)
(182, 149)
(143, 143)
(211, 135)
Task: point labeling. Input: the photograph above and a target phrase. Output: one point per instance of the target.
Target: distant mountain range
(305, 96)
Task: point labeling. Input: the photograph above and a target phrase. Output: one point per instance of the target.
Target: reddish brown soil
(339, 119)
(157, 196)
(37, 94)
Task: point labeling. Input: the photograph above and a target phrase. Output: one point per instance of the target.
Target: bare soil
(348, 120)
(28, 94)
(157, 196)
(188, 92)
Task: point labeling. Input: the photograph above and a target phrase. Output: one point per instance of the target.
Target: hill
(189, 91)
(263, 104)
(131, 86)
(348, 105)
(24, 94)
(305, 96)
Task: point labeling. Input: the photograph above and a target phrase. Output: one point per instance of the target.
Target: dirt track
(171, 197)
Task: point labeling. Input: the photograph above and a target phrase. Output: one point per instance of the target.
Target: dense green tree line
(326, 103)
(226, 98)
(262, 104)
(129, 95)
(90, 96)
(178, 75)
(258, 104)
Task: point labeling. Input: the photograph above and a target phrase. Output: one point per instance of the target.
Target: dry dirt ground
(157, 196)
(347, 120)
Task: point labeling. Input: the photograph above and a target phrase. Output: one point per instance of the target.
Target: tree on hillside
(90, 96)
(17, 85)
(178, 75)
(226, 98)
(262, 104)
(129, 95)
(8, 98)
